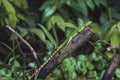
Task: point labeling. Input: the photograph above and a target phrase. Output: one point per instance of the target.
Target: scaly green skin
(65, 43)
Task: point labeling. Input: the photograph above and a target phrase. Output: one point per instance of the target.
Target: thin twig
(21, 51)
(25, 42)
(110, 71)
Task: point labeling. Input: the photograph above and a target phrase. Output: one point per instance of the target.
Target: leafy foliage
(8, 12)
(13, 70)
(48, 26)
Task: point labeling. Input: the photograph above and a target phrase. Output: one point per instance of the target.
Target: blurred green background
(57, 19)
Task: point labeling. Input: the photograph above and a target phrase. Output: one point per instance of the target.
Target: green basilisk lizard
(64, 44)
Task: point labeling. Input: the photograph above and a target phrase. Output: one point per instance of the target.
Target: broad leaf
(90, 4)
(49, 11)
(2, 72)
(69, 25)
(118, 26)
(16, 64)
(47, 4)
(57, 19)
(103, 2)
(31, 64)
(83, 7)
(93, 75)
(8, 6)
(48, 35)
(90, 66)
(12, 20)
(64, 13)
(95, 27)
(115, 38)
(97, 2)
(117, 72)
(115, 14)
(31, 20)
(20, 16)
(21, 4)
(39, 33)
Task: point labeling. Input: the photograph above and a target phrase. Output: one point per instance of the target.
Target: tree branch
(113, 64)
(76, 42)
(25, 42)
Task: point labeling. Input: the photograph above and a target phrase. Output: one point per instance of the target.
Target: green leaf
(12, 37)
(90, 66)
(82, 58)
(95, 27)
(68, 66)
(115, 38)
(103, 2)
(92, 74)
(107, 36)
(117, 72)
(69, 25)
(97, 2)
(105, 28)
(109, 33)
(31, 64)
(20, 16)
(109, 55)
(80, 22)
(112, 29)
(6, 20)
(12, 20)
(83, 7)
(1, 22)
(103, 19)
(115, 14)
(2, 72)
(7, 78)
(8, 6)
(31, 20)
(24, 4)
(83, 70)
(48, 34)
(94, 56)
(16, 64)
(65, 14)
(118, 26)
(90, 4)
(49, 11)
(74, 5)
(47, 4)
(79, 6)
(12, 59)
(57, 19)
(11, 12)
(0, 2)
(21, 4)
(101, 65)
(49, 46)
(49, 24)
(73, 75)
(17, 3)
(38, 33)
